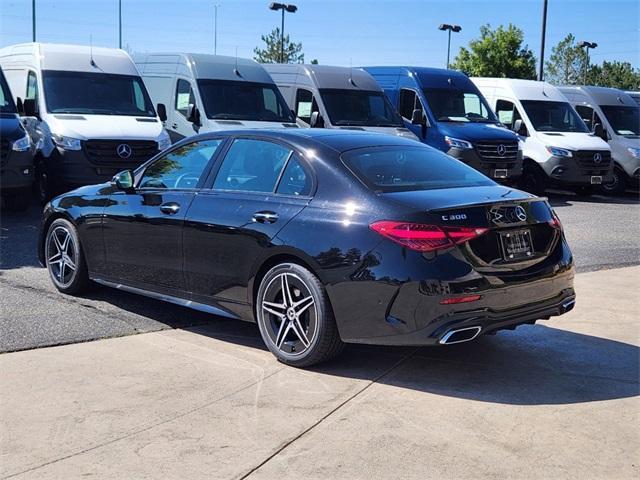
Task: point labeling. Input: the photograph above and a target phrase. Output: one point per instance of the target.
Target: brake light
(555, 221)
(454, 300)
(425, 238)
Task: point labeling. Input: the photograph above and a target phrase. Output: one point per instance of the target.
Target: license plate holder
(500, 173)
(516, 244)
(596, 179)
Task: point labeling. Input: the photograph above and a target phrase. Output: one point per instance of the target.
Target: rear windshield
(6, 102)
(359, 108)
(401, 168)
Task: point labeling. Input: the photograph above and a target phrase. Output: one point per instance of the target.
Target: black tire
(533, 180)
(43, 184)
(584, 190)
(66, 279)
(281, 323)
(619, 184)
(18, 201)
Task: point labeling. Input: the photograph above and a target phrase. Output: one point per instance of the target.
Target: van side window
(184, 96)
(408, 103)
(588, 116)
(32, 87)
(138, 97)
(507, 113)
(305, 105)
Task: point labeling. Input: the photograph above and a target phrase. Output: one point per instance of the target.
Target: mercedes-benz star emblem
(521, 214)
(597, 157)
(502, 150)
(123, 150)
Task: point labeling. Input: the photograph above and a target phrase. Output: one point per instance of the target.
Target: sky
(336, 32)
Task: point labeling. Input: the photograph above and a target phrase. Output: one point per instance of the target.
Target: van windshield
(456, 105)
(548, 116)
(624, 120)
(359, 108)
(6, 101)
(96, 94)
(402, 168)
(229, 100)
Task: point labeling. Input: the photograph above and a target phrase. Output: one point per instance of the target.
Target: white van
(337, 97)
(209, 93)
(634, 95)
(615, 116)
(86, 109)
(558, 148)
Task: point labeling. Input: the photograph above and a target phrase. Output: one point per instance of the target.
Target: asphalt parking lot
(200, 397)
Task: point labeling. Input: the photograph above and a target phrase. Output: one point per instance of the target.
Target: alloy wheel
(289, 313)
(61, 256)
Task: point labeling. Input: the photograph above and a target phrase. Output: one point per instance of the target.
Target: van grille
(5, 148)
(488, 152)
(585, 159)
(105, 152)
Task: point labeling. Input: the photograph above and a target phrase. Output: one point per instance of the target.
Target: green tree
(614, 74)
(567, 63)
(497, 53)
(271, 52)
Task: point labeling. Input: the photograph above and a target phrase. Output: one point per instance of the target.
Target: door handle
(174, 126)
(265, 217)
(170, 208)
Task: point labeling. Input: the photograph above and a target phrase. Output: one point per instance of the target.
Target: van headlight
(635, 152)
(457, 143)
(66, 143)
(164, 141)
(559, 152)
(22, 144)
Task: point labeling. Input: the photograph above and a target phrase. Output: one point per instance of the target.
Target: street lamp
(284, 7)
(119, 23)
(450, 28)
(587, 46)
(215, 29)
(33, 19)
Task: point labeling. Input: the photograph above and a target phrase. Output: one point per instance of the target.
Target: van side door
(184, 95)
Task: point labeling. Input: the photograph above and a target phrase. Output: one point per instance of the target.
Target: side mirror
(417, 117)
(193, 115)
(162, 112)
(30, 107)
(599, 131)
(316, 120)
(19, 106)
(123, 180)
(520, 128)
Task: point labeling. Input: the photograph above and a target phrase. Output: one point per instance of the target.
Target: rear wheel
(295, 318)
(533, 180)
(64, 258)
(618, 184)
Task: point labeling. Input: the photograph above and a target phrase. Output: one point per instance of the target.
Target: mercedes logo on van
(597, 157)
(123, 150)
(502, 150)
(520, 213)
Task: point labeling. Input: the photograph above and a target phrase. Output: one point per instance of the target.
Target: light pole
(215, 29)
(587, 46)
(289, 8)
(449, 28)
(119, 23)
(544, 33)
(33, 19)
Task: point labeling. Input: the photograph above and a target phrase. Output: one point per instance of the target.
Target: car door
(258, 187)
(142, 228)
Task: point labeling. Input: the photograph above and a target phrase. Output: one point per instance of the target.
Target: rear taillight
(425, 238)
(555, 221)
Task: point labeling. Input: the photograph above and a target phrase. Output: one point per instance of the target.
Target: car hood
(573, 141)
(89, 127)
(476, 131)
(10, 126)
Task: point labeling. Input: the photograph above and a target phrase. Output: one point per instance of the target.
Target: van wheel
(533, 180)
(43, 183)
(64, 258)
(18, 201)
(618, 184)
(294, 316)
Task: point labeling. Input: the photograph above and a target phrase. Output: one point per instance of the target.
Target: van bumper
(567, 171)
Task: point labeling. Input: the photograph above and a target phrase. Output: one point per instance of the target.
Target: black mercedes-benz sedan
(322, 237)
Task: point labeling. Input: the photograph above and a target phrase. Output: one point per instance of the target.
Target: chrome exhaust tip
(460, 335)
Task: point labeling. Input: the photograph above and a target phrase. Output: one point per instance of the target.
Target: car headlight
(635, 152)
(22, 144)
(559, 152)
(457, 143)
(164, 141)
(66, 143)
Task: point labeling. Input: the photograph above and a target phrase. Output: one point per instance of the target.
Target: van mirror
(599, 131)
(193, 115)
(316, 120)
(30, 108)
(520, 128)
(417, 117)
(162, 112)
(123, 180)
(19, 106)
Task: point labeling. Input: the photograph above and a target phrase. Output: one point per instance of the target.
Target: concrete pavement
(555, 400)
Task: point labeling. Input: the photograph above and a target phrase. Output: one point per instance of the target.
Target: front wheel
(64, 258)
(618, 184)
(533, 180)
(295, 318)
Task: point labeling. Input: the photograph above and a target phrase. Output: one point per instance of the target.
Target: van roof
(325, 76)
(523, 89)
(428, 77)
(203, 66)
(75, 58)
(602, 95)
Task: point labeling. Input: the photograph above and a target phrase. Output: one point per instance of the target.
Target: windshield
(454, 105)
(624, 120)
(227, 100)
(399, 168)
(548, 116)
(96, 94)
(6, 101)
(359, 108)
